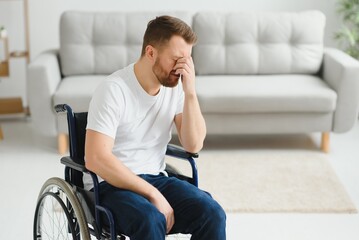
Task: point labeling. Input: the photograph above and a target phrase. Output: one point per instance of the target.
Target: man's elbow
(90, 162)
(195, 145)
(194, 148)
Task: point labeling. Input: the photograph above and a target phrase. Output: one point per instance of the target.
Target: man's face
(164, 66)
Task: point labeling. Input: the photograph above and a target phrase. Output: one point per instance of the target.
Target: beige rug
(271, 181)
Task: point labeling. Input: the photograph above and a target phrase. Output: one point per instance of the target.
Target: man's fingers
(170, 222)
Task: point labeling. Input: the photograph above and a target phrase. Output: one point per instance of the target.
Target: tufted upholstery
(101, 43)
(258, 43)
(263, 72)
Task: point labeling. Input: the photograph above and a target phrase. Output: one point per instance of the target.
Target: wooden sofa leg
(62, 143)
(325, 142)
(1, 134)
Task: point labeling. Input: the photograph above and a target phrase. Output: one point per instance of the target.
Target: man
(129, 126)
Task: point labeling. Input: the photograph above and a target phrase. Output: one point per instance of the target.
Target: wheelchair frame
(75, 167)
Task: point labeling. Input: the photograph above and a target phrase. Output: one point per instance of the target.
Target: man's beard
(166, 80)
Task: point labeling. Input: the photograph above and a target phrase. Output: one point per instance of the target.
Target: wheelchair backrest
(80, 135)
(77, 135)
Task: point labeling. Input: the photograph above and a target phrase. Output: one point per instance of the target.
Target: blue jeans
(196, 212)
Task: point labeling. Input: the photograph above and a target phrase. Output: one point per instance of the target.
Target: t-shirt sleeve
(105, 109)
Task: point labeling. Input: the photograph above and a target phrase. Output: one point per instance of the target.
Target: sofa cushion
(258, 43)
(264, 94)
(77, 91)
(103, 42)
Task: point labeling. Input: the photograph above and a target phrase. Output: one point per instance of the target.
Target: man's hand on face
(185, 67)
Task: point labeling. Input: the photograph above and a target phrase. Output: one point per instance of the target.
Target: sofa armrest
(43, 79)
(341, 73)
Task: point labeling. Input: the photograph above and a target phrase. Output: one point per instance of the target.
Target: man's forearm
(118, 175)
(100, 160)
(193, 128)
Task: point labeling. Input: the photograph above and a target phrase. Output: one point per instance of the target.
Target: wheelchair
(65, 210)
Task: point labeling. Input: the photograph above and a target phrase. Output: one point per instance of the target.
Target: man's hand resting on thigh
(160, 202)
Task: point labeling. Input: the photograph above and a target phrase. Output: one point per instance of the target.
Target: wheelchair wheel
(58, 213)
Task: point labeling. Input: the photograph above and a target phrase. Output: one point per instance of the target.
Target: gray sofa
(256, 72)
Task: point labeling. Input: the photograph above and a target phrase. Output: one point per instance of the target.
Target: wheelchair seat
(65, 208)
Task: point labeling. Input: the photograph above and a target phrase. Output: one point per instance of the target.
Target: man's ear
(151, 53)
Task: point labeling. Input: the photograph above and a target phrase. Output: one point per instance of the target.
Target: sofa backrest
(103, 42)
(258, 43)
(228, 43)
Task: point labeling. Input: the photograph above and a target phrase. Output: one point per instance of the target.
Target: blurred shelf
(11, 105)
(4, 69)
(19, 54)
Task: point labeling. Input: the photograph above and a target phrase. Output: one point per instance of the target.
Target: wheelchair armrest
(69, 162)
(60, 108)
(178, 152)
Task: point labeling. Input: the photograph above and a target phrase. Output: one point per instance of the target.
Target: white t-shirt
(139, 123)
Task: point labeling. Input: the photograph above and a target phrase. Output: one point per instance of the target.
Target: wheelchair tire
(59, 214)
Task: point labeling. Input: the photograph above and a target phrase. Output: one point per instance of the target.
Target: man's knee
(214, 214)
(211, 221)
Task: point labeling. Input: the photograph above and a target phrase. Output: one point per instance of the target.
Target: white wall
(44, 22)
